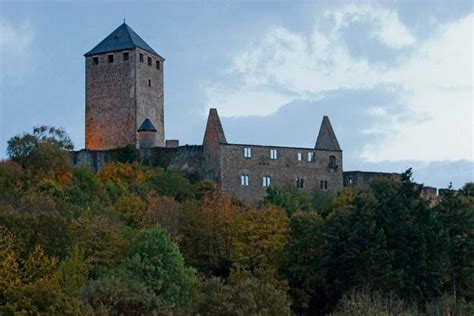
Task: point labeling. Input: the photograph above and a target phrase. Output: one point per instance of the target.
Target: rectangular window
(141, 57)
(323, 185)
(110, 58)
(266, 181)
(299, 156)
(311, 157)
(247, 152)
(299, 182)
(157, 64)
(150, 62)
(244, 180)
(125, 56)
(149, 83)
(273, 154)
(95, 60)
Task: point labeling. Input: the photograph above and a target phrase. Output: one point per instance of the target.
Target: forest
(135, 239)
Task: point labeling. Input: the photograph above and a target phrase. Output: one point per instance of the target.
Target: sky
(394, 77)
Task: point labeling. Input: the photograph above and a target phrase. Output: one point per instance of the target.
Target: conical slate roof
(120, 39)
(147, 126)
(327, 138)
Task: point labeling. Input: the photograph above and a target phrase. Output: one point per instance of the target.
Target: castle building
(125, 109)
(124, 87)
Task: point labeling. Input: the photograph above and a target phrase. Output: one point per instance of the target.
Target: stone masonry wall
(110, 102)
(150, 97)
(283, 171)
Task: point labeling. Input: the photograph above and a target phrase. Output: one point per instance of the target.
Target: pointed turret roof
(147, 126)
(122, 38)
(214, 131)
(327, 138)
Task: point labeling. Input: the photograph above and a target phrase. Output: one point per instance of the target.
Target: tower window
(125, 56)
(141, 57)
(110, 58)
(311, 157)
(157, 64)
(244, 180)
(332, 162)
(149, 61)
(95, 60)
(149, 83)
(247, 152)
(273, 154)
(299, 156)
(266, 181)
(323, 185)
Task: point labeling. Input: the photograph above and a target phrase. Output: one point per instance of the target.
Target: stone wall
(187, 159)
(110, 101)
(150, 99)
(283, 171)
(362, 179)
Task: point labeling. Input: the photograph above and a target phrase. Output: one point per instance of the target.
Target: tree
(260, 237)
(244, 293)
(156, 262)
(302, 261)
(22, 147)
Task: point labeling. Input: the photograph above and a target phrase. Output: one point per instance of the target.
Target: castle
(125, 106)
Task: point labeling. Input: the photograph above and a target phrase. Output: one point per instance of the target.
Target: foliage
(260, 236)
(128, 240)
(22, 148)
(245, 294)
(302, 260)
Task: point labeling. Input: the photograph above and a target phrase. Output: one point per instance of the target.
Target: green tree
(302, 261)
(21, 148)
(157, 263)
(244, 293)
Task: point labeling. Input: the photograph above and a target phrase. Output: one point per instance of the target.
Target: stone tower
(124, 86)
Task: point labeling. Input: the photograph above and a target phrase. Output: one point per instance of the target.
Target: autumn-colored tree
(131, 208)
(260, 237)
(207, 231)
(164, 211)
(101, 238)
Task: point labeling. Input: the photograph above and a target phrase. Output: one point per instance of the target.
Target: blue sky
(395, 77)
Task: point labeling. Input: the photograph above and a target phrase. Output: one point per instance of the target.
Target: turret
(146, 135)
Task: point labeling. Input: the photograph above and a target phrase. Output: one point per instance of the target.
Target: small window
(332, 162)
(299, 182)
(110, 58)
(158, 64)
(95, 60)
(311, 156)
(141, 57)
(273, 154)
(125, 56)
(149, 83)
(247, 152)
(323, 184)
(350, 180)
(266, 181)
(299, 156)
(244, 180)
(150, 62)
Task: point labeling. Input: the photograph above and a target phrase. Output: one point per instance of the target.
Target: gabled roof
(122, 38)
(147, 126)
(327, 138)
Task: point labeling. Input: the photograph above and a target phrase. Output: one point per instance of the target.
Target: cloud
(15, 47)
(431, 118)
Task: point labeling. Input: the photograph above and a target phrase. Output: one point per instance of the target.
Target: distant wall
(362, 179)
(283, 171)
(186, 158)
